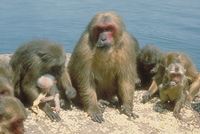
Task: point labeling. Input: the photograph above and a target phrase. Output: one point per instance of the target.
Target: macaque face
(176, 77)
(17, 125)
(105, 32)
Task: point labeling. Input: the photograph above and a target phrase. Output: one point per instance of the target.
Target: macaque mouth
(104, 45)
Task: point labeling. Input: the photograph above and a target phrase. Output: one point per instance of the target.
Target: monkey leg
(194, 88)
(90, 104)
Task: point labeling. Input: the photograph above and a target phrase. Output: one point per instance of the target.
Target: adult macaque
(6, 87)
(12, 116)
(191, 74)
(174, 87)
(32, 60)
(47, 85)
(147, 64)
(103, 64)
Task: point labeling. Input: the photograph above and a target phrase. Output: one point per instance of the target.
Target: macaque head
(12, 115)
(104, 29)
(175, 72)
(46, 82)
(150, 56)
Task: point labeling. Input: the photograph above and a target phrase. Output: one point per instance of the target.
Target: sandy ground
(153, 119)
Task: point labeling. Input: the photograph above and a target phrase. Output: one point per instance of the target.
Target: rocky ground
(153, 119)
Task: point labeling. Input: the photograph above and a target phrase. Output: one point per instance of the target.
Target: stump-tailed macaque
(191, 74)
(174, 87)
(29, 62)
(47, 85)
(12, 116)
(147, 64)
(103, 64)
(6, 87)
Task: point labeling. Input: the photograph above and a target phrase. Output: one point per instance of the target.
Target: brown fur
(32, 60)
(6, 87)
(148, 64)
(11, 111)
(191, 74)
(100, 73)
(174, 93)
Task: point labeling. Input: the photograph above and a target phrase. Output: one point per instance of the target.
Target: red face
(105, 33)
(176, 77)
(17, 126)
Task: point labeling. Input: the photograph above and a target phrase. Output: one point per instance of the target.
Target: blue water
(171, 25)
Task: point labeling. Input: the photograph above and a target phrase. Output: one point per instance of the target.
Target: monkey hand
(177, 115)
(102, 104)
(43, 100)
(96, 115)
(146, 97)
(128, 113)
(172, 83)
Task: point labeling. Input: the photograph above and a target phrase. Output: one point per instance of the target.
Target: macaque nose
(103, 38)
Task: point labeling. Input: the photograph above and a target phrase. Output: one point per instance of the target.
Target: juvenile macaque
(6, 87)
(47, 84)
(191, 74)
(147, 64)
(174, 87)
(12, 116)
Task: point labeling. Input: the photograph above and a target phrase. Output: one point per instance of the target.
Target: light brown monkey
(47, 84)
(174, 87)
(29, 62)
(6, 87)
(147, 64)
(12, 116)
(103, 64)
(191, 74)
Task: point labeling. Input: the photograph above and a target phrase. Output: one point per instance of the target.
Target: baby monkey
(47, 84)
(174, 87)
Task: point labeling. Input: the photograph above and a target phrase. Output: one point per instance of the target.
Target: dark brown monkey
(103, 64)
(174, 87)
(12, 116)
(32, 60)
(6, 87)
(191, 74)
(147, 64)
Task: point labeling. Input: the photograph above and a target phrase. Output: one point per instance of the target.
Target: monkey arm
(157, 80)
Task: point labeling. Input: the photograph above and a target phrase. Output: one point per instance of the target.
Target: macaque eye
(178, 75)
(3, 92)
(173, 74)
(108, 29)
(100, 29)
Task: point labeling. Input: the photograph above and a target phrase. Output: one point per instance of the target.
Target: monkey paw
(172, 83)
(188, 103)
(102, 104)
(177, 115)
(129, 114)
(146, 97)
(97, 117)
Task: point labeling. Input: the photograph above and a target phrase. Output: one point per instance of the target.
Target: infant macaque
(47, 84)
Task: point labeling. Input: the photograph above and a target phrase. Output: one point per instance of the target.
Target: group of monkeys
(106, 63)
